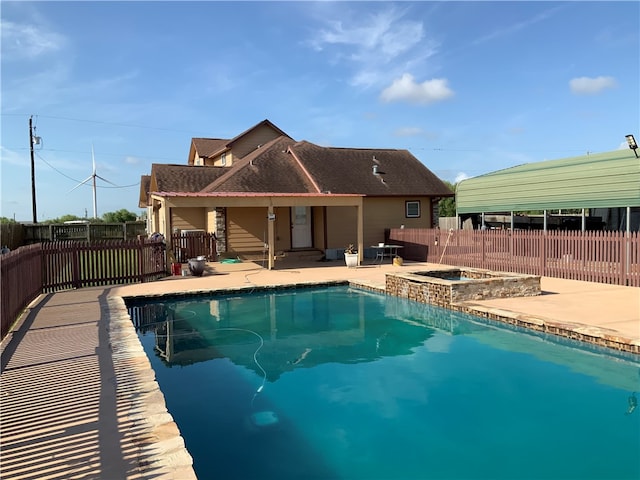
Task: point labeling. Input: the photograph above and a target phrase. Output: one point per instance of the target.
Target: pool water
(340, 383)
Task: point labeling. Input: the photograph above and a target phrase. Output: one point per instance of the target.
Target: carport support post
(271, 235)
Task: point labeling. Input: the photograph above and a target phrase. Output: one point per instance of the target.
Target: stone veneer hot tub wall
(445, 287)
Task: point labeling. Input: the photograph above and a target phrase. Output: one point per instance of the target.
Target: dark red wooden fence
(604, 257)
(186, 245)
(48, 267)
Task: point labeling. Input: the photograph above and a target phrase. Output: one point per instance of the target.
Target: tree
(120, 216)
(447, 205)
(4, 220)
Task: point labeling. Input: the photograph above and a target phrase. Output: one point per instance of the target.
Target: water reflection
(309, 327)
(300, 330)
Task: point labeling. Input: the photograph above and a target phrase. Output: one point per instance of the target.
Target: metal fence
(47, 267)
(600, 256)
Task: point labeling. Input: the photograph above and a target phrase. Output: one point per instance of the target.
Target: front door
(300, 227)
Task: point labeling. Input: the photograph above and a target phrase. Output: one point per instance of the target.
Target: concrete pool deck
(79, 399)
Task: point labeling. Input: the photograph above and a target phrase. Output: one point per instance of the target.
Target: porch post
(271, 234)
(360, 231)
(167, 225)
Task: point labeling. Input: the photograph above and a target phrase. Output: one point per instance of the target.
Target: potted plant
(351, 256)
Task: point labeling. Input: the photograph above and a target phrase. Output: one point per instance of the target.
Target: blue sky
(467, 87)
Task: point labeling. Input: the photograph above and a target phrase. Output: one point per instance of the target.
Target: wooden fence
(52, 266)
(600, 256)
(83, 231)
(186, 245)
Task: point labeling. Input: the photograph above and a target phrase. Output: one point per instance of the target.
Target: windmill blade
(105, 180)
(93, 159)
(88, 179)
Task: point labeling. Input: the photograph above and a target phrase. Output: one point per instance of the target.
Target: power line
(102, 122)
(78, 181)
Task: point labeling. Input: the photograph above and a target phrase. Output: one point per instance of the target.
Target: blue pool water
(339, 383)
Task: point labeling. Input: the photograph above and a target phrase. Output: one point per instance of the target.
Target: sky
(466, 87)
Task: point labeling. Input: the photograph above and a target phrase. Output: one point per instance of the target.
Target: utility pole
(33, 172)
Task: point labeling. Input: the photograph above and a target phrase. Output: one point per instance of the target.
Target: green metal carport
(609, 180)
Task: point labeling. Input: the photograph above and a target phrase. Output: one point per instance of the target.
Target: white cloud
(14, 158)
(382, 32)
(132, 160)
(407, 89)
(24, 41)
(461, 176)
(591, 86)
(407, 132)
(376, 45)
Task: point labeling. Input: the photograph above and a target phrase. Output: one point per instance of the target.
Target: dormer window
(223, 159)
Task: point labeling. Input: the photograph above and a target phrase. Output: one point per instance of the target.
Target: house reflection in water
(307, 327)
(299, 330)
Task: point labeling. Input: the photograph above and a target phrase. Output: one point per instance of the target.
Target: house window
(412, 209)
(223, 159)
(199, 161)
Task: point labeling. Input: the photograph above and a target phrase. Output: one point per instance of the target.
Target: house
(605, 187)
(263, 189)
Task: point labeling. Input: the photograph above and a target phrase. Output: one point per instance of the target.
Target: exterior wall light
(632, 144)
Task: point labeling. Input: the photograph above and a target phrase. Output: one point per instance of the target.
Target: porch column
(360, 232)
(167, 225)
(271, 235)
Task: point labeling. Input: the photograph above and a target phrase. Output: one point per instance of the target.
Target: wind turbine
(92, 178)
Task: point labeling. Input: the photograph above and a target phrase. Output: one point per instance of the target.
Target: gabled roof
(183, 178)
(145, 181)
(351, 170)
(285, 166)
(268, 169)
(264, 122)
(207, 147)
(211, 147)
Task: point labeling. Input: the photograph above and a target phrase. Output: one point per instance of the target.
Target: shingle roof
(145, 181)
(286, 166)
(207, 147)
(269, 169)
(350, 170)
(184, 178)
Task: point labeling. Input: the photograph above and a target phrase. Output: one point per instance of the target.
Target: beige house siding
(282, 227)
(342, 226)
(246, 229)
(390, 212)
(249, 142)
(192, 218)
(217, 160)
(211, 219)
(319, 232)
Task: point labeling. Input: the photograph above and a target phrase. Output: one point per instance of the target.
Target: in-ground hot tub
(447, 287)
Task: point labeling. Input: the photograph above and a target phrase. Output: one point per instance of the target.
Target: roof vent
(375, 168)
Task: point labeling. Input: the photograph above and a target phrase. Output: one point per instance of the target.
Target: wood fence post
(75, 263)
(141, 262)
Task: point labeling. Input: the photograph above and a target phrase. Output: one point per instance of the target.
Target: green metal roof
(603, 180)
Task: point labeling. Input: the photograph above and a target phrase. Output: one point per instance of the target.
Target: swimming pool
(337, 382)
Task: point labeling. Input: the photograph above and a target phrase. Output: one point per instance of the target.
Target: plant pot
(351, 259)
(196, 266)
